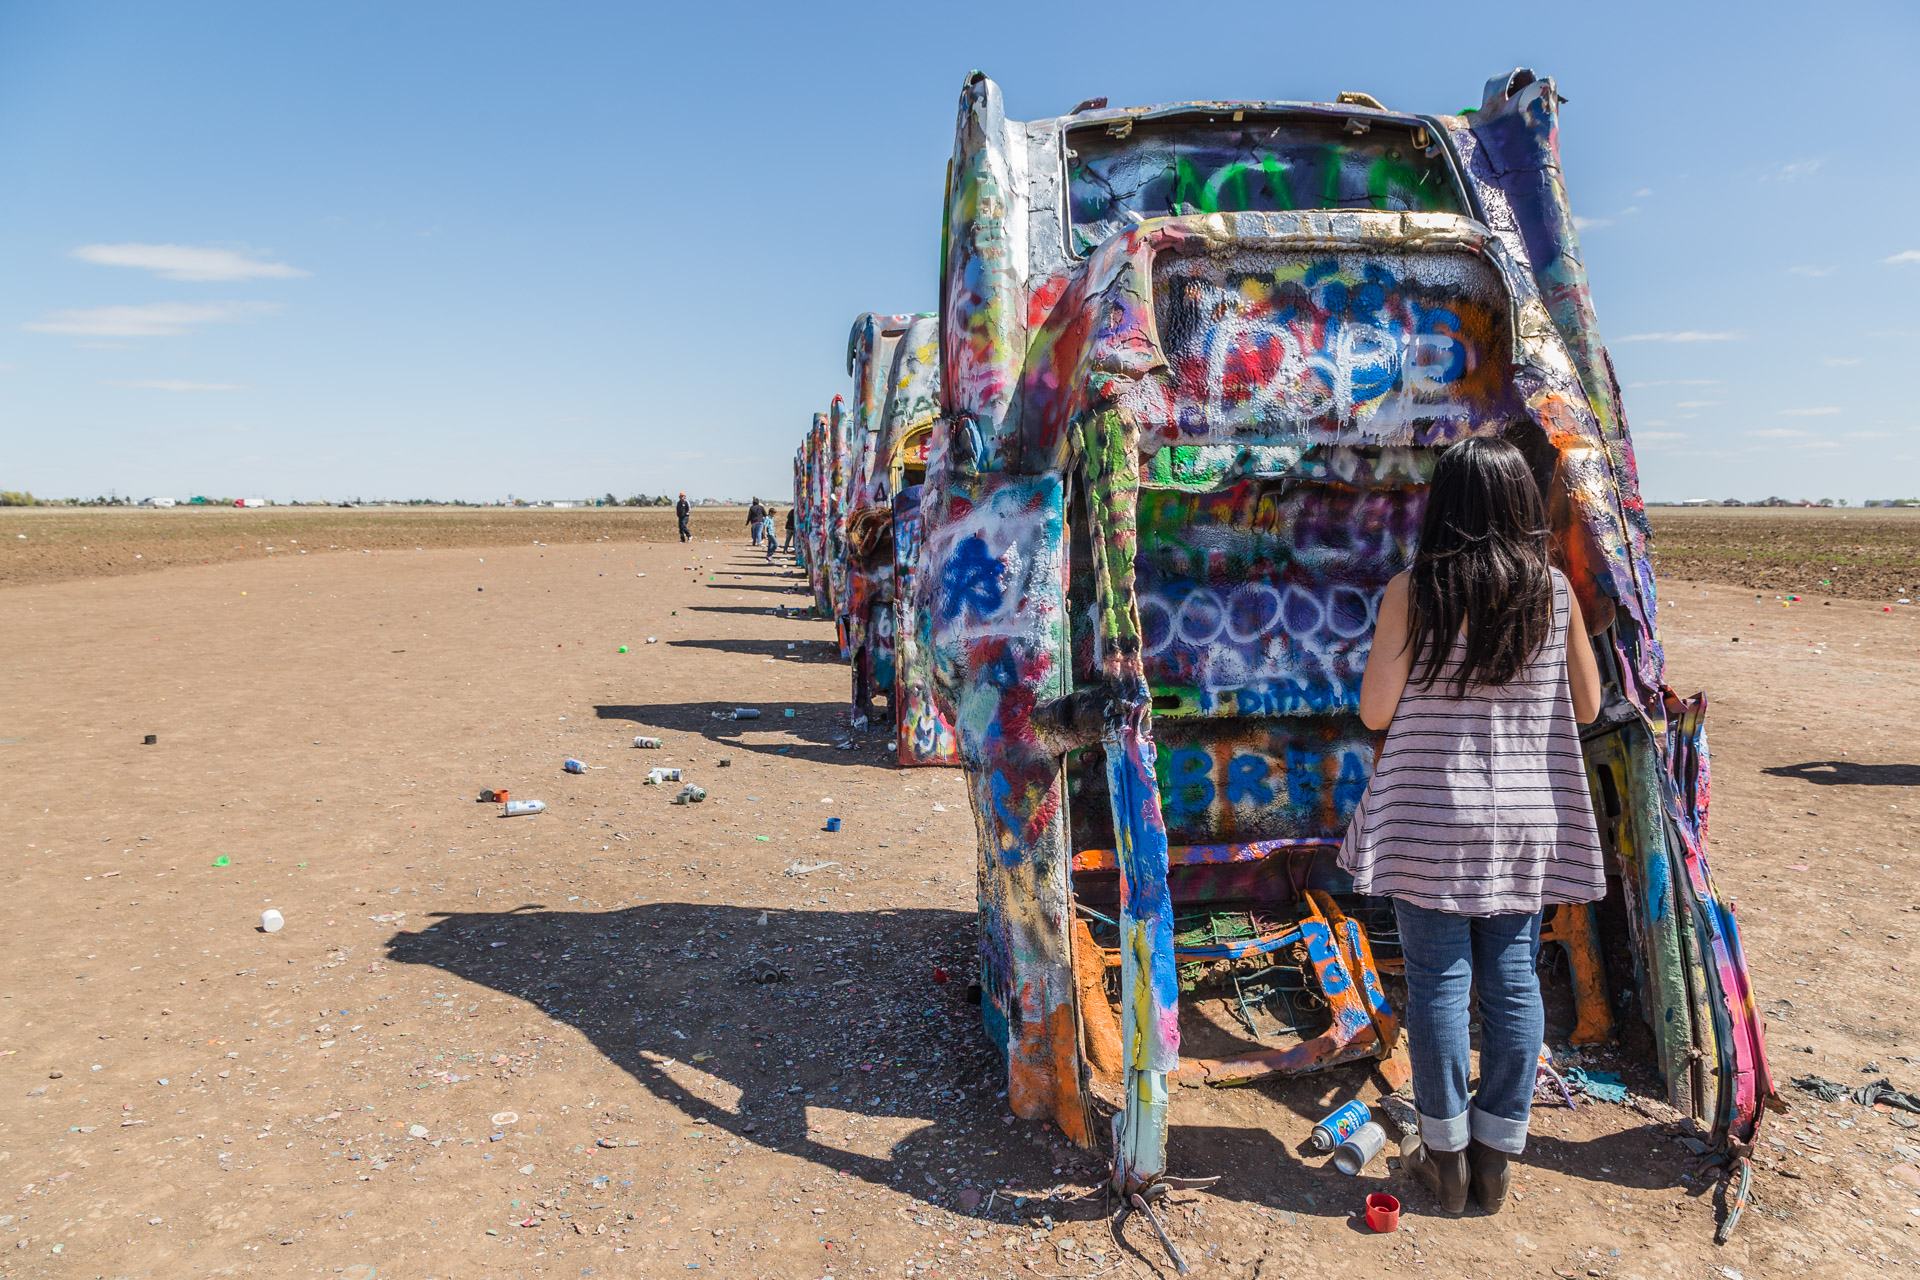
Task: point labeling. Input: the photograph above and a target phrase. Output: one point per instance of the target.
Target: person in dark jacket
(756, 519)
(789, 545)
(684, 510)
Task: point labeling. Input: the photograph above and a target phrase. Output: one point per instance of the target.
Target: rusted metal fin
(1166, 1242)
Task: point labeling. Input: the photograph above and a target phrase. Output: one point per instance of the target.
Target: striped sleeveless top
(1479, 805)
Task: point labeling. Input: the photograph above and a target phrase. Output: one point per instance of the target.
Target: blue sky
(470, 250)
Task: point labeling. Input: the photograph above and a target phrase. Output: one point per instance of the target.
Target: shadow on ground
(1848, 773)
(815, 731)
(855, 1035)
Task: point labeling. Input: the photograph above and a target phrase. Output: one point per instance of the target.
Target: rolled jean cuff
(1447, 1135)
(1509, 1136)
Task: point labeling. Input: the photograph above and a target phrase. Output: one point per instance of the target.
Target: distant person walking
(789, 545)
(684, 510)
(756, 519)
(771, 538)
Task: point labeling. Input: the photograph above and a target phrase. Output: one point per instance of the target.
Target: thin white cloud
(1643, 193)
(181, 384)
(187, 262)
(1779, 433)
(1684, 335)
(1824, 411)
(1869, 435)
(1590, 224)
(1811, 272)
(1905, 255)
(1792, 171)
(149, 320)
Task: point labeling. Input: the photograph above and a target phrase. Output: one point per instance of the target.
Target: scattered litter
(1353, 1155)
(657, 776)
(833, 824)
(690, 794)
(647, 744)
(521, 808)
(725, 762)
(765, 972)
(153, 738)
(801, 869)
(1601, 1086)
(223, 861)
(746, 713)
(1383, 1212)
(493, 797)
(505, 1118)
(1882, 1091)
(417, 1131)
(653, 639)
(623, 648)
(271, 921)
(575, 766)
(1823, 1089)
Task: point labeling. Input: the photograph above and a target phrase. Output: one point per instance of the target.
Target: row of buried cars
(1108, 528)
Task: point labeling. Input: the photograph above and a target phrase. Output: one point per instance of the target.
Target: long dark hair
(1482, 566)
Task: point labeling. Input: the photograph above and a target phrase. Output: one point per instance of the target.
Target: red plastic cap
(1383, 1212)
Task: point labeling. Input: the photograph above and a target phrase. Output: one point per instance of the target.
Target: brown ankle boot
(1491, 1175)
(1444, 1173)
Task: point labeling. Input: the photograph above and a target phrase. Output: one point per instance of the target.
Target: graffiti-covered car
(866, 621)
(1197, 362)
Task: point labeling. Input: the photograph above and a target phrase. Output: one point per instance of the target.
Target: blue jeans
(1449, 955)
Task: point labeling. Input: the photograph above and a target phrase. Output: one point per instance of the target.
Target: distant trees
(13, 498)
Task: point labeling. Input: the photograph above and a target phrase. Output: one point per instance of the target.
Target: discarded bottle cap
(833, 824)
(623, 648)
(789, 713)
(150, 740)
(518, 808)
(724, 762)
(1383, 1212)
(490, 796)
(647, 744)
(746, 713)
(575, 766)
(271, 921)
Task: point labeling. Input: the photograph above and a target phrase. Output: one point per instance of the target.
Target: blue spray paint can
(575, 766)
(1340, 1126)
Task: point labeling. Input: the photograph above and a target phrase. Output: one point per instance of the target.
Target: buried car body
(1196, 364)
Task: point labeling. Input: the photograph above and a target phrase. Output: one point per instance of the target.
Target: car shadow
(830, 1036)
(816, 731)
(790, 650)
(1849, 773)
(822, 1034)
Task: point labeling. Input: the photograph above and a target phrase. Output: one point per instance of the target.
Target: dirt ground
(369, 1090)
(1868, 553)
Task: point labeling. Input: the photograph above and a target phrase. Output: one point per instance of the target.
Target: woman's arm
(1583, 673)
(1391, 661)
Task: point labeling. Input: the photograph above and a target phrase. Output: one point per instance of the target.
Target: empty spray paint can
(647, 744)
(575, 766)
(690, 794)
(520, 808)
(746, 713)
(1351, 1156)
(657, 776)
(1339, 1126)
